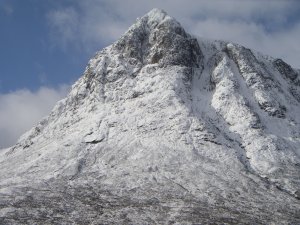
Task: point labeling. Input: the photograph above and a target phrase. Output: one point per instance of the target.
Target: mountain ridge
(163, 128)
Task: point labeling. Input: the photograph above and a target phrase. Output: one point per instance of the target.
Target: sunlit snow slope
(163, 128)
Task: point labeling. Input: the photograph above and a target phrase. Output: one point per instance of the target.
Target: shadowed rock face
(158, 38)
(163, 128)
(285, 69)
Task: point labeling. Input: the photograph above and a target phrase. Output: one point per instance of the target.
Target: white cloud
(92, 24)
(83, 29)
(20, 110)
(277, 44)
(64, 24)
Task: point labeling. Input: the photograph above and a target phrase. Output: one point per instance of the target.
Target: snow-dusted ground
(163, 128)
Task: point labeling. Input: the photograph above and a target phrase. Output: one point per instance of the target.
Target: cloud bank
(272, 27)
(21, 109)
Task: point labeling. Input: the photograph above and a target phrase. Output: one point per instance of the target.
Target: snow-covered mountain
(163, 128)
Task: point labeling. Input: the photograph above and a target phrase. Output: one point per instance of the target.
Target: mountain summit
(163, 128)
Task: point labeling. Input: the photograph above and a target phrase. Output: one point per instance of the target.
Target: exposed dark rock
(285, 69)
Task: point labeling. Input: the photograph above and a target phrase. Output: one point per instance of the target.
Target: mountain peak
(159, 38)
(156, 15)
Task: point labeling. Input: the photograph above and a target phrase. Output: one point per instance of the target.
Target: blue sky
(45, 44)
(28, 57)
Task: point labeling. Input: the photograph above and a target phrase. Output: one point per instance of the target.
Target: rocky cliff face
(163, 128)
